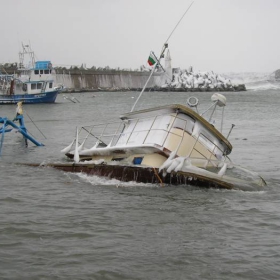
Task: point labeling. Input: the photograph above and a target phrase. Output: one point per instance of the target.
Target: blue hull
(46, 97)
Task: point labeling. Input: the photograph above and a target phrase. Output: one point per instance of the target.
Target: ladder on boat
(44, 87)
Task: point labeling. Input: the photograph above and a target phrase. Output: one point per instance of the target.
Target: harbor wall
(111, 80)
(78, 80)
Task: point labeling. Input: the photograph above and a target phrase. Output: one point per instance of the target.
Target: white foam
(263, 86)
(255, 80)
(97, 181)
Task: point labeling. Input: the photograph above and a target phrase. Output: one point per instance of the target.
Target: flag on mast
(151, 59)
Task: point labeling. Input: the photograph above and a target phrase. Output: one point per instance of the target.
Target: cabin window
(24, 87)
(140, 131)
(184, 122)
(206, 142)
(39, 86)
(41, 71)
(46, 71)
(159, 130)
(33, 86)
(50, 85)
(180, 123)
(36, 72)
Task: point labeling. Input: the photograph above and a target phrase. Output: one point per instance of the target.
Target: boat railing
(130, 133)
(100, 134)
(211, 158)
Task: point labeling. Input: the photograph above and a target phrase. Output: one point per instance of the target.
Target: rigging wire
(165, 74)
(35, 125)
(179, 22)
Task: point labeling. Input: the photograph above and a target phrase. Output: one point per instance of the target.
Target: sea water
(56, 225)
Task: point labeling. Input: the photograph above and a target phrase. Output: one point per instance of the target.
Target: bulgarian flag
(151, 59)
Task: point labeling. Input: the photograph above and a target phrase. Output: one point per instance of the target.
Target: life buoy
(192, 101)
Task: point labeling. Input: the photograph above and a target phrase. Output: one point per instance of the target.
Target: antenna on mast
(26, 50)
(179, 22)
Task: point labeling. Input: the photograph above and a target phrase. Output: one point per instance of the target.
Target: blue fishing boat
(33, 83)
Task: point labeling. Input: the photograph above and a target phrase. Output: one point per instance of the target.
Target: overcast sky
(218, 35)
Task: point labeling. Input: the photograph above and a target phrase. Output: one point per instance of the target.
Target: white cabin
(148, 137)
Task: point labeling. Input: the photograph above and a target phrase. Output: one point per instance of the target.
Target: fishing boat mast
(26, 50)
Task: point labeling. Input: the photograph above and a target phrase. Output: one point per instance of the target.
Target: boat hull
(141, 175)
(46, 97)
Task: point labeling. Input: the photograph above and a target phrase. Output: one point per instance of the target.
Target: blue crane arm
(21, 128)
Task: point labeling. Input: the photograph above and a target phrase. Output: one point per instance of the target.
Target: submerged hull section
(46, 97)
(141, 175)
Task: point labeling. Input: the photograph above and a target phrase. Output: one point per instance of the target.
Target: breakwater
(88, 80)
(78, 80)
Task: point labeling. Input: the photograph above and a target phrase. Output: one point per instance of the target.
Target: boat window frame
(33, 86)
(186, 122)
(214, 149)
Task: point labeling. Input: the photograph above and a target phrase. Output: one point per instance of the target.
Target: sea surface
(56, 225)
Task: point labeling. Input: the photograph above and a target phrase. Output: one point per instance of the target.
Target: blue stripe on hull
(46, 97)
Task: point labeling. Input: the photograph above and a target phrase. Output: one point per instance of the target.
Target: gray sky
(218, 35)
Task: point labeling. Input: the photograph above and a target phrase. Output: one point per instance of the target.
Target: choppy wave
(255, 80)
(96, 181)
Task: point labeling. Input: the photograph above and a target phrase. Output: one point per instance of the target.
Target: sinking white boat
(172, 144)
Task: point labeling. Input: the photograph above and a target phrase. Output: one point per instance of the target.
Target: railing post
(182, 137)
(168, 131)
(150, 129)
(132, 131)
(112, 141)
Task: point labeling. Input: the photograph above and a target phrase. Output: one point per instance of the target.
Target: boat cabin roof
(176, 108)
(43, 65)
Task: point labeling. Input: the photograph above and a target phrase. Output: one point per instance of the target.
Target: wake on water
(97, 180)
(254, 80)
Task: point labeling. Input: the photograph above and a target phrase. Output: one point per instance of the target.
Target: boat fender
(192, 101)
(68, 148)
(223, 170)
(173, 164)
(76, 153)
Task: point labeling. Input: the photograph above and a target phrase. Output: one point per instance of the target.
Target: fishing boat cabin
(36, 80)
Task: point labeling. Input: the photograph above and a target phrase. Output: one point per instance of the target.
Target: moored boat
(34, 83)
